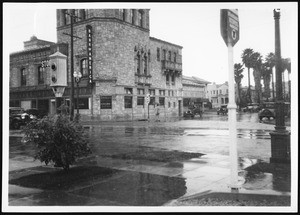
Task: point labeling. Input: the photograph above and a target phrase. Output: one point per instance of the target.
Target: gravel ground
(214, 201)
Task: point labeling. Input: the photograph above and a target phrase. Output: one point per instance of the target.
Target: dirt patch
(61, 180)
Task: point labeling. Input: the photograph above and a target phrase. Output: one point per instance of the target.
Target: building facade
(194, 92)
(120, 64)
(218, 94)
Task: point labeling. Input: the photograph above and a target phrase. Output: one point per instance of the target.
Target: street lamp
(77, 76)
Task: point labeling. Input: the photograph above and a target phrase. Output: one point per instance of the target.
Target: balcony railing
(142, 79)
(169, 65)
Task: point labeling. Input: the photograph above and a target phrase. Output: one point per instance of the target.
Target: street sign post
(147, 102)
(230, 34)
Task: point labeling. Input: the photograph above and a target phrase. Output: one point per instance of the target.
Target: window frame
(127, 104)
(41, 77)
(104, 105)
(23, 77)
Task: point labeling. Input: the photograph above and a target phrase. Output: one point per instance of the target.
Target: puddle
(137, 189)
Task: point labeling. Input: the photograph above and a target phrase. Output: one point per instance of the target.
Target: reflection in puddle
(137, 189)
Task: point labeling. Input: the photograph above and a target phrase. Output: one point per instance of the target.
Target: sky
(194, 26)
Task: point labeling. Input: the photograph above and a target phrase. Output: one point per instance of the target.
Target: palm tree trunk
(249, 89)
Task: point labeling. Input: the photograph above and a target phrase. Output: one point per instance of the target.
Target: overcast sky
(195, 26)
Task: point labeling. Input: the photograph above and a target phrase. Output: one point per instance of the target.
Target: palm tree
(270, 63)
(238, 70)
(286, 65)
(266, 75)
(257, 67)
(248, 62)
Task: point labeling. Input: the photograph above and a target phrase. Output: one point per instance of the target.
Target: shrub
(58, 140)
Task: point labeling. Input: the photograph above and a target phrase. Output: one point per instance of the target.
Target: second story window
(175, 57)
(23, 77)
(169, 56)
(128, 91)
(173, 79)
(83, 67)
(167, 78)
(158, 54)
(165, 54)
(145, 65)
(40, 75)
(138, 63)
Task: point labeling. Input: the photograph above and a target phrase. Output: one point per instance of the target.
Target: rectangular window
(174, 57)
(174, 103)
(128, 91)
(152, 92)
(83, 103)
(33, 104)
(23, 77)
(140, 18)
(169, 104)
(141, 91)
(165, 54)
(169, 57)
(140, 100)
(162, 101)
(40, 75)
(152, 100)
(173, 79)
(167, 79)
(161, 92)
(158, 54)
(105, 102)
(128, 101)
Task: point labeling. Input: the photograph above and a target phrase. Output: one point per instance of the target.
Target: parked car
(222, 110)
(17, 117)
(252, 107)
(35, 113)
(265, 112)
(268, 110)
(188, 114)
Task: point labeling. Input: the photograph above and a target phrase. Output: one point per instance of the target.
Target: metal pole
(148, 112)
(232, 123)
(280, 138)
(72, 68)
(77, 98)
(278, 66)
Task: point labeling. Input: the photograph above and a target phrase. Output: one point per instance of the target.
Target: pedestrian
(157, 113)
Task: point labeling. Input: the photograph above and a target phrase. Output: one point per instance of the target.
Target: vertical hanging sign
(89, 54)
(230, 26)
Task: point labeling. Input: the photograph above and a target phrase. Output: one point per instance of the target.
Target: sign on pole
(230, 34)
(230, 26)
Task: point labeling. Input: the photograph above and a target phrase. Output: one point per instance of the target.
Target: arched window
(40, 75)
(83, 67)
(23, 77)
(145, 65)
(138, 63)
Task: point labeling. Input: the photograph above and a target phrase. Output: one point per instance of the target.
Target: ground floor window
(162, 101)
(105, 102)
(33, 103)
(140, 100)
(152, 100)
(128, 101)
(14, 103)
(83, 103)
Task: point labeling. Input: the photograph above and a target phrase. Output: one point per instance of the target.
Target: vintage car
(222, 110)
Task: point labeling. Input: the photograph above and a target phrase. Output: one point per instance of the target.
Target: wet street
(152, 183)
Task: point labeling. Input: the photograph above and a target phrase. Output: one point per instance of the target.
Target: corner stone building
(120, 64)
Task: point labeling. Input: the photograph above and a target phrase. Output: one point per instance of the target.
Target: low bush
(59, 140)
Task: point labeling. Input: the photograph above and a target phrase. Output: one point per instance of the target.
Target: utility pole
(280, 138)
(72, 16)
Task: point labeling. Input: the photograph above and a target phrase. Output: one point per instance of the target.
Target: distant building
(217, 94)
(194, 91)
